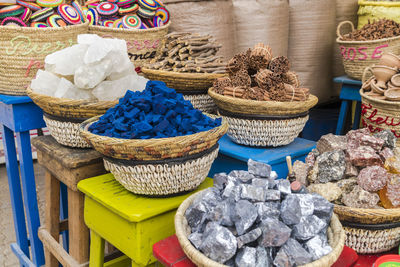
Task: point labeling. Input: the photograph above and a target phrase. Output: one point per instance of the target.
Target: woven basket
(269, 108)
(66, 132)
(357, 55)
(153, 149)
(70, 108)
(378, 115)
(164, 177)
(336, 238)
(202, 102)
(183, 82)
(143, 44)
(23, 50)
(367, 216)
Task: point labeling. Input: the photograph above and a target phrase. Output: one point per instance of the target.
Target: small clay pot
(366, 86)
(383, 74)
(375, 88)
(395, 80)
(390, 85)
(392, 94)
(390, 60)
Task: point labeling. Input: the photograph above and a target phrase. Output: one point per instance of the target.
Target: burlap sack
(263, 21)
(311, 28)
(205, 17)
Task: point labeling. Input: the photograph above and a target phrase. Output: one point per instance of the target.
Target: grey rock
(306, 202)
(262, 259)
(331, 166)
(275, 233)
(268, 209)
(241, 176)
(196, 239)
(308, 227)
(323, 209)
(259, 168)
(297, 254)
(252, 192)
(223, 213)
(291, 210)
(196, 216)
(211, 196)
(249, 237)
(260, 182)
(230, 263)
(347, 185)
(318, 246)
(246, 257)
(220, 180)
(232, 191)
(388, 137)
(245, 216)
(282, 259)
(284, 186)
(273, 175)
(271, 195)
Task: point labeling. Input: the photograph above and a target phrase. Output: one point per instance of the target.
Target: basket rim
(122, 30)
(375, 216)
(368, 41)
(187, 245)
(41, 30)
(184, 75)
(372, 99)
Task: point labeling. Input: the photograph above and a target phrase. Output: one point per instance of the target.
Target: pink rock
(363, 156)
(359, 198)
(386, 153)
(372, 141)
(331, 142)
(372, 178)
(310, 159)
(354, 137)
(393, 189)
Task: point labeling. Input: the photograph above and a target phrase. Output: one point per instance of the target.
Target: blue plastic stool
(350, 92)
(18, 114)
(233, 156)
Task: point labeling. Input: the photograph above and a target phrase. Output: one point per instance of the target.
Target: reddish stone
(364, 156)
(386, 153)
(372, 178)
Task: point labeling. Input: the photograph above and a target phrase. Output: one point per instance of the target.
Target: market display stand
(130, 222)
(233, 156)
(19, 115)
(67, 166)
(350, 92)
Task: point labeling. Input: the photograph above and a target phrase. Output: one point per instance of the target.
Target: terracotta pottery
(390, 60)
(375, 88)
(366, 86)
(395, 80)
(383, 74)
(392, 94)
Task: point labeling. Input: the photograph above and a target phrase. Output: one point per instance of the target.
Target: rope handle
(364, 76)
(339, 27)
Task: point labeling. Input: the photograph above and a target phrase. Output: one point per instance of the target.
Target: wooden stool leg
(342, 117)
(96, 250)
(78, 232)
(52, 218)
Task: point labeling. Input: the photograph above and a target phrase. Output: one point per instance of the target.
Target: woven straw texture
(380, 114)
(202, 102)
(182, 81)
(163, 179)
(244, 106)
(65, 133)
(367, 216)
(372, 241)
(264, 132)
(153, 149)
(23, 50)
(336, 238)
(353, 61)
(70, 108)
(143, 45)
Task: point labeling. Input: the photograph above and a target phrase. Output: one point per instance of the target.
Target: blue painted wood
(24, 260)
(29, 193)
(15, 189)
(14, 99)
(64, 213)
(342, 117)
(350, 92)
(346, 80)
(233, 156)
(21, 117)
(357, 116)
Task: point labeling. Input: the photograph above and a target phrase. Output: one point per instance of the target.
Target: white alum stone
(45, 83)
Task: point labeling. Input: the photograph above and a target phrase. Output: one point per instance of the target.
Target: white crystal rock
(90, 75)
(118, 73)
(112, 90)
(100, 48)
(66, 61)
(66, 89)
(45, 83)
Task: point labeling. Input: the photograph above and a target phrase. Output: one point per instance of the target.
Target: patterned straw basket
(378, 115)
(336, 238)
(158, 167)
(357, 55)
(64, 116)
(263, 123)
(370, 230)
(23, 50)
(202, 102)
(143, 44)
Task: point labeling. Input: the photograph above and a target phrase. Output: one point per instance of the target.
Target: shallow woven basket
(23, 50)
(163, 177)
(355, 62)
(183, 82)
(367, 216)
(202, 102)
(152, 149)
(143, 44)
(335, 231)
(66, 132)
(378, 114)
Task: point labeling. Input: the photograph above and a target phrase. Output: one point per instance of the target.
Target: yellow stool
(130, 222)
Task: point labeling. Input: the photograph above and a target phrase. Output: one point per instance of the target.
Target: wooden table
(67, 166)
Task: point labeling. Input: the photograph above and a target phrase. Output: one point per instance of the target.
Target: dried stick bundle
(256, 93)
(260, 56)
(279, 65)
(221, 83)
(266, 78)
(292, 78)
(241, 78)
(237, 63)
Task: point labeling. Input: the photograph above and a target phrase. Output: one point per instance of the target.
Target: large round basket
(370, 230)
(143, 44)
(64, 116)
(23, 50)
(158, 167)
(202, 102)
(335, 232)
(378, 115)
(263, 123)
(357, 55)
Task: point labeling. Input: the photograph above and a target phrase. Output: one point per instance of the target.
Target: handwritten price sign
(360, 53)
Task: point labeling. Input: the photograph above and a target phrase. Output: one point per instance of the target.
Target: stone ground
(7, 235)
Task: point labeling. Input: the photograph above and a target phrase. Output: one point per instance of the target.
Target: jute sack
(263, 21)
(205, 17)
(311, 28)
(23, 50)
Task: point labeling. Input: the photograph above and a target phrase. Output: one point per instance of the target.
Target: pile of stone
(251, 218)
(356, 170)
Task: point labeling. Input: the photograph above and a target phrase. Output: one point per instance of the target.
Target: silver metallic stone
(308, 227)
(275, 233)
(252, 192)
(246, 257)
(245, 216)
(259, 168)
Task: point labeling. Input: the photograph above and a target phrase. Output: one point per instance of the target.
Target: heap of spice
(255, 74)
(187, 52)
(380, 29)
